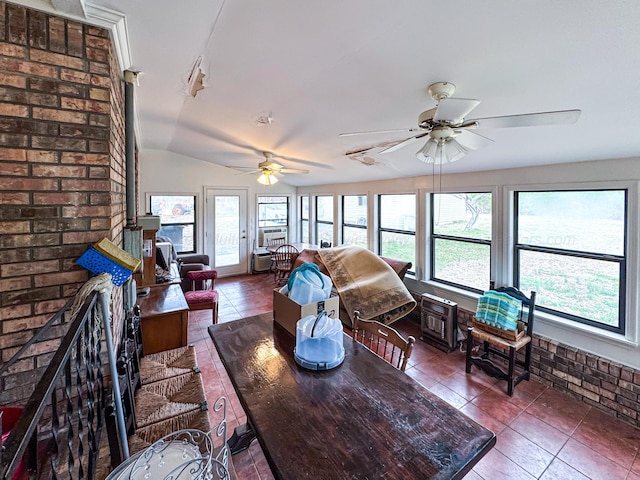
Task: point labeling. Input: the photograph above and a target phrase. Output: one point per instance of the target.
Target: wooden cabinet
(164, 315)
(148, 263)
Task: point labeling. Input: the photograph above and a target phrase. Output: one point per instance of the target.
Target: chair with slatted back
(207, 298)
(284, 257)
(273, 242)
(383, 340)
(495, 348)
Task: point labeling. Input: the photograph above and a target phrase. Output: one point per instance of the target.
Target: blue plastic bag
(307, 284)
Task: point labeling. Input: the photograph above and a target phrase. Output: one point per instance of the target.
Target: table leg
(242, 437)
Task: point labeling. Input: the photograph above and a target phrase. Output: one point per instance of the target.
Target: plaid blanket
(499, 309)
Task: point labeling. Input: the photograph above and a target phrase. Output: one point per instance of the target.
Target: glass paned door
(226, 231)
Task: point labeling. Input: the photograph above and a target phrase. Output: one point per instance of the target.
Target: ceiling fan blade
(403, 143)
(350, 134)
(560, 117)
(292, 170)
(245, 169)
(471, 140)
(454, 110)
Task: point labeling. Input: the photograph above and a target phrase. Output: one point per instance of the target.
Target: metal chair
(284, 257)
(383, 340)
(496, 345)
(206, 298)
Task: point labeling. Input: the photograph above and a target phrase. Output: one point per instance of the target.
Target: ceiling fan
(450, 134)
(268, 169)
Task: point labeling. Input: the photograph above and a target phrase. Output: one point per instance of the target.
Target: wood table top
(364, 419)
(163, 298)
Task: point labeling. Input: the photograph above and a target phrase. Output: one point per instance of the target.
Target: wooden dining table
(361, 420)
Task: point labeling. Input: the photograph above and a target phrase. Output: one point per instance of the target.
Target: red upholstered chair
(206, 298)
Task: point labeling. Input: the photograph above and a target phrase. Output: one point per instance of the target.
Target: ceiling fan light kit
(267, 178)
(451, 135)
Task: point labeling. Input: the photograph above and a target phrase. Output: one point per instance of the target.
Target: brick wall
(606, 385)
(61, 172)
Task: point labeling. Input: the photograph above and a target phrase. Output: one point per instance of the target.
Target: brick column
(61, 172)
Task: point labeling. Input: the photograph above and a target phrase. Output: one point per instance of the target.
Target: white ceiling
(325, 67)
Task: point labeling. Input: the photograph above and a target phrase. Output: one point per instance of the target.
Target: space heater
(439, 322)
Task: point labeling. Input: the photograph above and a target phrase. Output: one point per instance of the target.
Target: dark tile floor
(541, 433)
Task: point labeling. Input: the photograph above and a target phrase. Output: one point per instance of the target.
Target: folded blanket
(499, 309)
(367, 283)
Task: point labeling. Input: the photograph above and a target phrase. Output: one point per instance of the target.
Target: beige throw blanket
(367, 283)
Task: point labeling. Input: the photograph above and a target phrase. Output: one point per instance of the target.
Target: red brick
(98, 147)
(15, 339)
(75, 39)
(40, 348)
(13, 284)
(57, 35)
(59, 171)
(60, 278)
(17, 241)
(17, 32)
(99, 68)
(10, 110)
(12, 80)
(86, 105)
(66, 198)
(84, 237)
(29, 184)
(97, 31)
(23, 365)
(57, 59)
(97, 55)
(86, 185)
(57, 143)
(100, 223)
(2, 21)
(13, 255)
(74, 76)
(98, 172)
(26, 67)
(14, 227)
(101, 94)
(13, 140)
(40, 156)
(85, 158)
(37, 29)
(35, 321)
(60, 252)
(13, 154)
(100, 81)
(14, 311)
(97, 211)
(59, 115)
(29, 268)
(14, 198)
(51, 306)
(15, 169)
(100, 198)
(98, 42)
(11, 50)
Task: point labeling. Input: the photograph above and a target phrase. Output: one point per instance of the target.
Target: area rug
(367, 283)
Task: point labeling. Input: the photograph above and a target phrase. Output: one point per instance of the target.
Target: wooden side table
(164, 315)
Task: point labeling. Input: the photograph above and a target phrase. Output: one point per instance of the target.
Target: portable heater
(439, 322)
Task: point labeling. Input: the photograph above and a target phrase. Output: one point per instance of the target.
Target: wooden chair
(272, 242)
(324, 244)
(284, 257)
(495, 345)
(206, 298)
(383, 340)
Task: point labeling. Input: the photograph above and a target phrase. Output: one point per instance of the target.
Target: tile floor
(541, 433)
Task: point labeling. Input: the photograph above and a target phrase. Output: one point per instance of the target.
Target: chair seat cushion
(201, 296)
(201, 275)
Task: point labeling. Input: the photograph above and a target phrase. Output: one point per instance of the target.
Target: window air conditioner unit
(268, 233)
(439, 322)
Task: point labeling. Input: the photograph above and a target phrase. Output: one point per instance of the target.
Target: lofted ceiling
(317, 69)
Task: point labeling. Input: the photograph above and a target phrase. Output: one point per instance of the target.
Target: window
(397, 227)
(570, 247)
(461, 239)
(304, 219)
(354, 220)
(273, 211)
(324, 219)
(177, 220)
